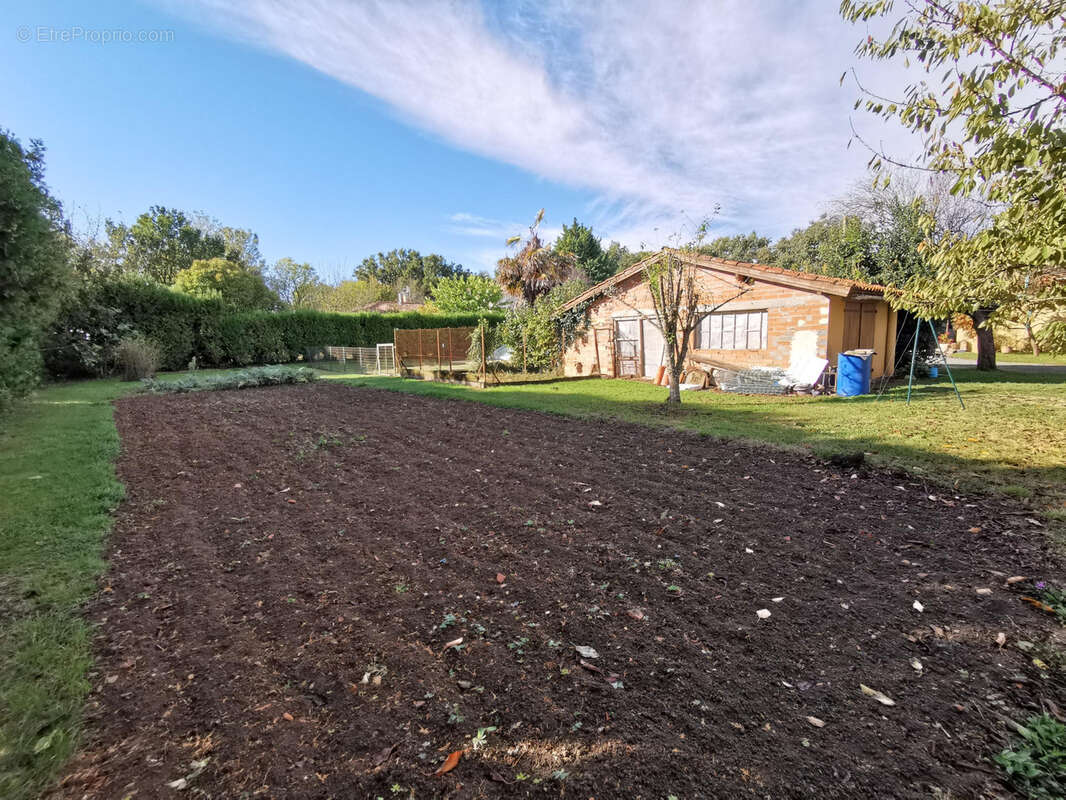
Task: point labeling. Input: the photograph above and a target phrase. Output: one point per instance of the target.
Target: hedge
(84, 339)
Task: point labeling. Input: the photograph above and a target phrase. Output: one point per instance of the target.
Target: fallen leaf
(816, 722)
(586, 651)
(984, 591)
(880, 697)
(1039, 664)
(450, 762)
(292, 501)
(918, 607)
(635, 613)
(595, 503)
(1037, 604)
(763, 613)
(975, 529)
(917, 664)
(1001, 638)
(500, 577)
(287, 716)
(1015, 579)
(776, 599)
(451, 644)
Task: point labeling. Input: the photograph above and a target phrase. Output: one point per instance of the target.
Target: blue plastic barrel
(853, 374)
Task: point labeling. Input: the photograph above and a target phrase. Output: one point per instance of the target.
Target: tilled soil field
(324, 591)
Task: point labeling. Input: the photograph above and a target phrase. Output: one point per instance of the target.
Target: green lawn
(57, 491)
(1017, 358)
(1011, 435)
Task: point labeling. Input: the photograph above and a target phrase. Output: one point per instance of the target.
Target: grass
(57, 491)
(1011, 436)
(1016, 358)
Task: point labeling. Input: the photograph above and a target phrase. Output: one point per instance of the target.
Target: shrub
(491, 331)
(138, 357)
(102, 312)
(1036, 767)
(541, 328)
(241, 379)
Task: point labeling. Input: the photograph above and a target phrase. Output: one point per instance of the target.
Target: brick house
(773, 316)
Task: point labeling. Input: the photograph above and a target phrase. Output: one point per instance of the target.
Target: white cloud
(659, 108)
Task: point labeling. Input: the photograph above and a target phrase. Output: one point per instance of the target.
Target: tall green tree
(742, 247)
(238, 287)
(34, 267)
(408, 268)
(535, 268)
(579, 241)
(989, 109)
(296, 283)
(161, 243)
(240, 245)
(839, 246)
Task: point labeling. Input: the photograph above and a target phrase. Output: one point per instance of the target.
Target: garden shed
(774, 317)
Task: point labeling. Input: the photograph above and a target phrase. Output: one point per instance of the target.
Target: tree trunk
(674, 398)
(986, 341)
(1033, 343)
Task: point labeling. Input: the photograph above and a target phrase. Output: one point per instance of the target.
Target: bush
(542, 329)
(243, 379)
(101, 313)
(263, 337)
(138, 357)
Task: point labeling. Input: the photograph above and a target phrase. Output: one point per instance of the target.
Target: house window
(745, 330)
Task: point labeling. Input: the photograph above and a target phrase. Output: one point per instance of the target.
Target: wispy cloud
(664, 110)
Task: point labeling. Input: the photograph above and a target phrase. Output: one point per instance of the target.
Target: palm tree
(535, 269)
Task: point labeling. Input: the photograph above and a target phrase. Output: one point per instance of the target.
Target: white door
(654, 348)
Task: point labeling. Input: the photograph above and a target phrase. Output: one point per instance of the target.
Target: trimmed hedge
(89, 329)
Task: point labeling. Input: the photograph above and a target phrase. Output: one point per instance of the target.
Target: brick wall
(795, 319)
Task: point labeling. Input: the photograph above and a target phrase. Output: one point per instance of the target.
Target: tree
(990, 113)
(296, 284)
(240, 245)
(408, 268)
(750, 248)
(466, 293)
(33, 263)
(535, 269)
(597, 263)
(679, 304)
(349, 296)
(238, 287)
(161, 243)
(838, 246)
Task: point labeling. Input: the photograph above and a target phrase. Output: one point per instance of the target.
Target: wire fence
(379, 360)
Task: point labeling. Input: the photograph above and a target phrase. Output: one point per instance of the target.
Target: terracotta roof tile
(838, 286)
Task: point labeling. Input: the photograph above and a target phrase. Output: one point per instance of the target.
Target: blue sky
(338, 129)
